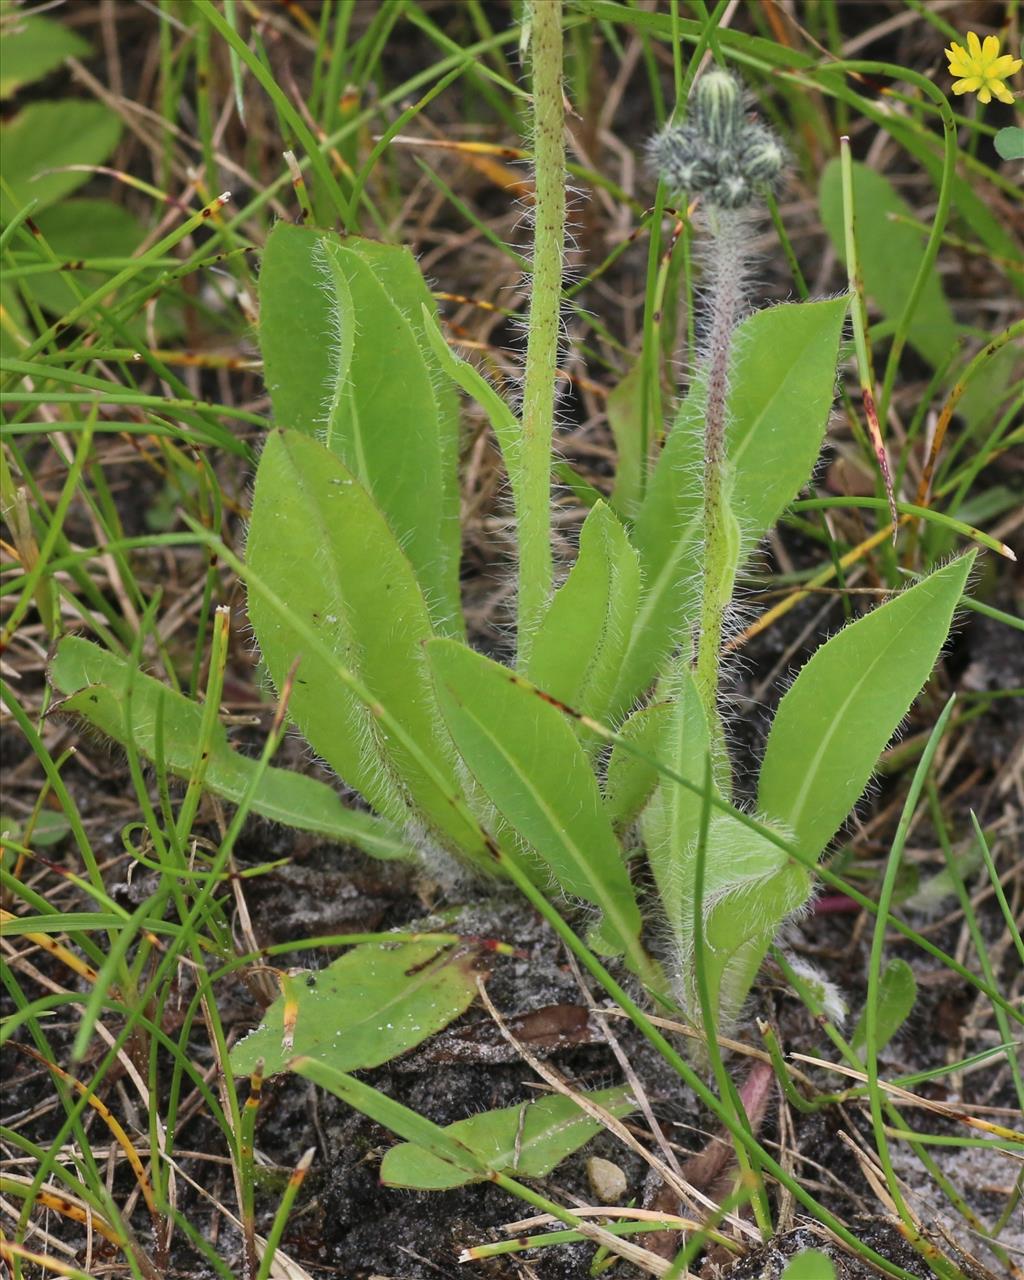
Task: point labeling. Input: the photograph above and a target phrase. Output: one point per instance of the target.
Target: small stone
(607, 1180)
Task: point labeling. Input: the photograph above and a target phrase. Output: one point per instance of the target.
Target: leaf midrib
(835, 723)
(606, 897)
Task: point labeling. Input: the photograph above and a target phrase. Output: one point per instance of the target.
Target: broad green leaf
(671, 821)
(577, 652)
(749, 884)
(318, 541)
(50, 827)
(49, 135)
(34, 46)
(890, 254)
(897, 992)
(1009, 143)
(970, 198)
(527, 1141)
(392, 1115)
(347, 359)
(986, 393)
(782, 384)
(750, 889)
(378, 1001)
(630, 780)
(97, 683)
(848, 701)
(527, 759)
(624, 418)
(504, 422)
(809, 1264)
(303, 353)
(82, 228)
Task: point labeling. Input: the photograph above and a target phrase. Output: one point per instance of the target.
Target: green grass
(134, 412)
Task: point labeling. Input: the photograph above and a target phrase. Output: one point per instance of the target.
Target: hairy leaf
(98, 682)
(846, 704)
(577, 653)
(624, 418)
(527, 759)
(629, 779)
(319, 543)
(671, 822)
(782, 383)
(347, 359)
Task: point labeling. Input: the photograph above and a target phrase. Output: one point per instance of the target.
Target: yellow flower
(981, 69)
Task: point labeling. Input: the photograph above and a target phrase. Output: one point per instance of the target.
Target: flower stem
(721, 533)
(534, 499)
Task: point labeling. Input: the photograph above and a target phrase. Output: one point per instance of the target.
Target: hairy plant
(352, 574)
(595, 774)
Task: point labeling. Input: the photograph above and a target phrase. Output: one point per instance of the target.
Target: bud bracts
(718, 153)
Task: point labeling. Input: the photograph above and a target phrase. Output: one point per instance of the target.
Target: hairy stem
(721, 535)
(534, 498)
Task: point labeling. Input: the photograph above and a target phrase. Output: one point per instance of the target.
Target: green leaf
(319, 543)
(1009, 143)
(390, 1114)
(750, 885)
(846, 704)
(577, 653)
(810, 1264)
(527, 1141)
(897, 992)
(527, 759)
(783, 381)
(50, 827)
(34, 46)
(347, 359)
(378, 1001)
(49, 135)
(671, 821)
(82, 228)
(629, 780)
(750, 888)
(890, 255)
(625, 419)
(504, 422)
(97, 683)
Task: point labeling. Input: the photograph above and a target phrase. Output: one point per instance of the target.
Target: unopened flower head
(718, 153)
(980, 68)
(718, 108)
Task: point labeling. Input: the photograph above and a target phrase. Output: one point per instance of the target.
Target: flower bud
(682, 161)
(761, 157)
(718, 153)
(732, 191)
(718, 108)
